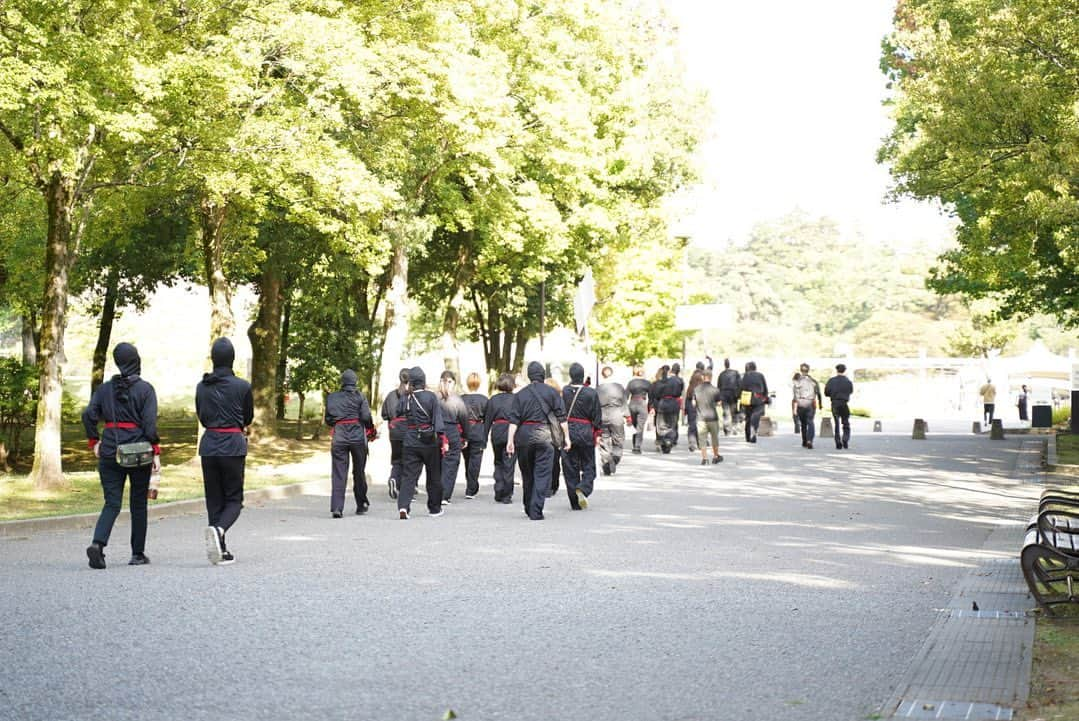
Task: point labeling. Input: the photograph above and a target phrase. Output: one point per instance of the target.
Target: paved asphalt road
(781, 584)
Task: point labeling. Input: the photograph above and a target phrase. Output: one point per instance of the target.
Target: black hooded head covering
(417, 379)
(576, 373)
(535, 372)
(222, 353)
(348, 379)
(130, 365)
(127, 359)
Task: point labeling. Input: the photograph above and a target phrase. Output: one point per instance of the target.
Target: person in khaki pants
(988, 392)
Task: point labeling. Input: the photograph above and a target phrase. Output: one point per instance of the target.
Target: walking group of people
(546, 431)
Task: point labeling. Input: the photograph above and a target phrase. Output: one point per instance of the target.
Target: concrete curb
(22, 528)
(1051, 458)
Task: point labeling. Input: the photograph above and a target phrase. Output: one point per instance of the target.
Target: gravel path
(780, 584)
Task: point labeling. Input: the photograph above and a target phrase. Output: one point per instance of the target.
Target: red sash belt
(474, 422)
(533, 423)
(398, 419)
(500, 420)
(347, 422)
(671, 396)
(128, 425)
(226, 430)
(579, 420)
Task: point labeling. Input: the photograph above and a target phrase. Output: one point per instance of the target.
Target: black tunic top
(496, 420)
(125, 422)
(225, 407)
(349, 414)
(476, 431)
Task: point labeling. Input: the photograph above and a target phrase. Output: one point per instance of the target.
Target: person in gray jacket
(839, 388)
(612, 402)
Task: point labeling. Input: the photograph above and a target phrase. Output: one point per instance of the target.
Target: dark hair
(506, 383)
(751, 366)
(726, 362)
(841, 368)
(402, 377)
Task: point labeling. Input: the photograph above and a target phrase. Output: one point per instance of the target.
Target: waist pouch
(134, 455)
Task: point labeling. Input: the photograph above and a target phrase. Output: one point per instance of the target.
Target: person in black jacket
(668, 408)
(729, 384)
(612, 401)
(839, 388)
(530, 438)
(585, 422)
(475, 433)
(393, 412)
(225, 408)
(754, 382)
(128, 406)
(454, 421)
(349, 416)
(425, 442)
(496, 422)
(637, 392)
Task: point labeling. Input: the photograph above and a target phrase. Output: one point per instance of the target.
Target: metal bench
(1050, 555)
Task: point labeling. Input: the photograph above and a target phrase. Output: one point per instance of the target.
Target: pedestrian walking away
(496, 427)
(637, 392)
(475, 434)
(128, 407)
(225, 408)
(691, 409)
(424, 445)
(753, 398)
(730, 386)
(613, 410)
(393, 412)
(348, 415)
(585, 423)
(807, 399)
(988, 392)
(454, 423)
(794, 409)
(706, 396)
(530, 437)
(655, 392)
(556, 464)
(839, 389)
(1021, 403)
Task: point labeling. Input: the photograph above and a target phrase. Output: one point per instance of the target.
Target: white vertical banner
(583, 301)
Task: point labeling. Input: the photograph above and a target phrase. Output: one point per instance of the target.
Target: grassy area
(1068, 449)
(1054, 686)
(268, 464)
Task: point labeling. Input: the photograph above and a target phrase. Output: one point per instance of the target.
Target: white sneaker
(439, 512)
(582, 500)
(403, 514)
(469, 497)
(215, 548)
(445, 502)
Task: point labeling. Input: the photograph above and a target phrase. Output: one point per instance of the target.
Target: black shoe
(637, 451)
(507, 500)
(839, 446)
(226, 558)
(360, 510)
(337, 514)
(606, 469)
(139, 559)
(717, 459)
(537, 517)
(809, 445)
(845, 445)
(704, 461)
(96, 553)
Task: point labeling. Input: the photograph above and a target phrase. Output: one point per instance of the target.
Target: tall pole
(543, 310)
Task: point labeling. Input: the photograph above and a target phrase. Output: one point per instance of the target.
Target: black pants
(638, 413)
(667, 428)
(340, 453)
(396, 452)
(753, 421)
(113, 478)
(536, 460)
(579, 469)
(691, 430)
(414, 460)
(841, 416)
(805, 420)
(504, 470)
(611, 441)
(473, 454)
(223, 480)
(987, 410)
(451, 463)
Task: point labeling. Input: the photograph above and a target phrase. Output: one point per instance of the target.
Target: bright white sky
(796, 92)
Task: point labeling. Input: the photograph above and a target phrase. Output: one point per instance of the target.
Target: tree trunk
(265, 336)
(519, 353)
(451, 351)
(396, 318)
(222, 323)
(47, 471)
(282, 357)
(299, 420)
(104, 330)
(30, 339)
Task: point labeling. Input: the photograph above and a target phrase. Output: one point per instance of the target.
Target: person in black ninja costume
(225, 408)
(349, 416)
(584, 422)
(425, 443)
(128, 406)
(530, 438)
(393, 412)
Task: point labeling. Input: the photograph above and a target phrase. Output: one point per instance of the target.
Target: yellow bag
(746, 398)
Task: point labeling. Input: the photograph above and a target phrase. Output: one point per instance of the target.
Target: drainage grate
(920, 709)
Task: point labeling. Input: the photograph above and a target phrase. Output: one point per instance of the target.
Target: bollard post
(877, 427)
(826, 427)
(918, 433)
(977, 427)
(996, 431)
